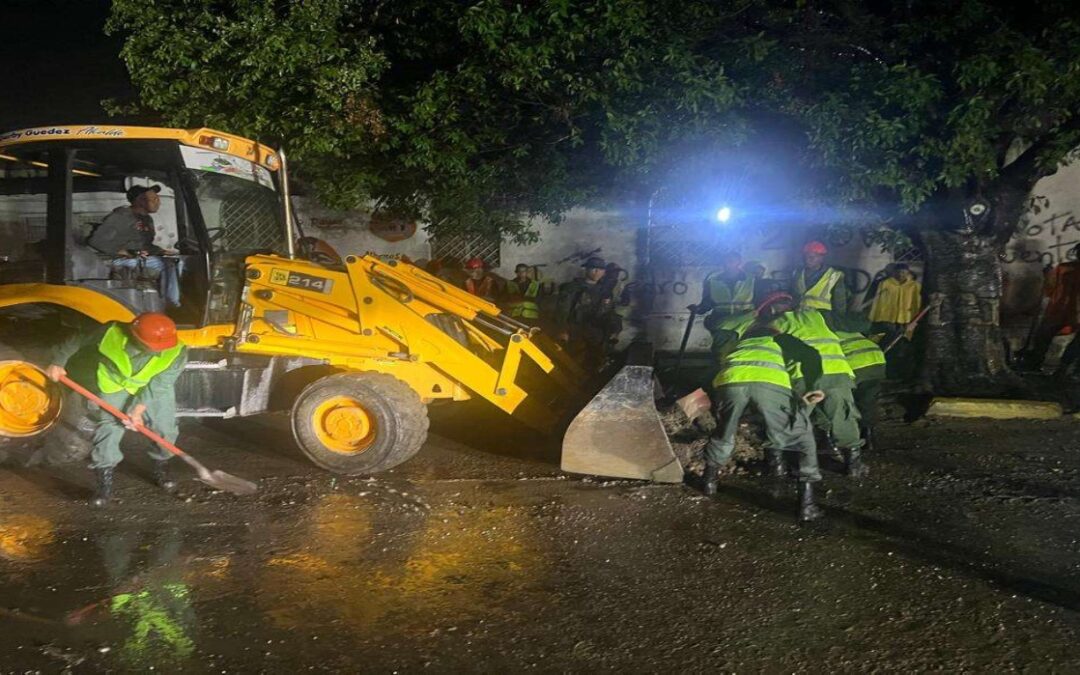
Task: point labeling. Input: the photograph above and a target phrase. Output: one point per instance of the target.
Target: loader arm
(392, 317)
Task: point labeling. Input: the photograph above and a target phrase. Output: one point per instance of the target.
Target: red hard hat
(771, 298)
(815, 247)
(475, 264)
(155, 331)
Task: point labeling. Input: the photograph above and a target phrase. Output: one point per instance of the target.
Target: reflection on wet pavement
(344, 564)
(372, 567)
(25, 537)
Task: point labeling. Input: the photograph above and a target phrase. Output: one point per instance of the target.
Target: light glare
(724, 214)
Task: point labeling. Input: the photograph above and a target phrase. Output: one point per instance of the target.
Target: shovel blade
(226, 482)
(619, 433)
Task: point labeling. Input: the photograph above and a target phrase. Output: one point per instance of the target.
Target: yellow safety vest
(864, 356)
(725, 301)
(525, 309)
(114, 372)
(756, 360)
(809, 326)
(818, 296)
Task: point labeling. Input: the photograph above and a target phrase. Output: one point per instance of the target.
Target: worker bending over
(133, 367)
(840, 414)
(755, 372)
(867, 361)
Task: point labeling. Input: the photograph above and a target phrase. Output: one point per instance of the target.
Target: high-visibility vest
(756, 360)
(114, 372)
(864, 356)
(726, 300)
(818, 296)
(809, 326)
(527, 308)
(737, 323)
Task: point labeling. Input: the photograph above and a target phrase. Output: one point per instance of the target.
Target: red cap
(475, 264)
(815, 247)
(771, 298)
(155, 331)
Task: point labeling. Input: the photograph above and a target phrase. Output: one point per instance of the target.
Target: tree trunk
(964, 349)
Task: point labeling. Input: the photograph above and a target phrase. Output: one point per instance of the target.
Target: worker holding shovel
(132, 367)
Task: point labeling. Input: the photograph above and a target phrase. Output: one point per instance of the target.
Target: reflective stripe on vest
(114, 372)
(861, 352)
(524, 309)
(809, 326)
(754, 361)
(727, 302)
(737, 323)
(818, 296)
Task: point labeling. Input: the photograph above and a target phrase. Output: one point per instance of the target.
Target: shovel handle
(115, 412)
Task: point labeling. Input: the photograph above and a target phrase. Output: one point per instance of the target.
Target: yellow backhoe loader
(354, 348)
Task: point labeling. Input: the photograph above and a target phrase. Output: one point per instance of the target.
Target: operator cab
(219, 204)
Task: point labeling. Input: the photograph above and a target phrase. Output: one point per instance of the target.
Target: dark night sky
(56, 64)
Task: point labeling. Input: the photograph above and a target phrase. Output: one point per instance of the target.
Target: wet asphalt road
(959, 553)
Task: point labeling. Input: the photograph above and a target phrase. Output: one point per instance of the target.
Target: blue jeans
(166, 271)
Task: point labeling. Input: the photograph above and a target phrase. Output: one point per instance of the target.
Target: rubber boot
(162, 477)
(808, 510)
(853, 463)
(774, 464)
(710, 479)
(104, 487)
(868, 436)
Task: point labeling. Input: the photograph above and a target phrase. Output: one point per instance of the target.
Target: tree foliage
(912, 103)
(477, 114)
(468, 114)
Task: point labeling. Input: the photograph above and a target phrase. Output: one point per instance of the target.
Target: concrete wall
(660, 293)
(1044, 236)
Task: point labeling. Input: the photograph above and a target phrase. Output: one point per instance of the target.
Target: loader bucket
(619, 433)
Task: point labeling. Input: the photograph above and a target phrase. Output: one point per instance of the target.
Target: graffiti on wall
(1048, 241)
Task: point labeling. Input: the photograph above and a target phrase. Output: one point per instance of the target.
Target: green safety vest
(809, 326)
(114, 372)
(525, 309)
(863, 354)
(725, 301)
(737, 323)
(818, 296)
(756, 360)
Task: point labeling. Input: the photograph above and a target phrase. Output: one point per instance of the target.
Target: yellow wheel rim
(343, 425)
(29, 402)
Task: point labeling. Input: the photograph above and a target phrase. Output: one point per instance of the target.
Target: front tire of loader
(359, 423)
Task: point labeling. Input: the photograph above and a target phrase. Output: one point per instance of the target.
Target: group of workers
(801, 357)
(582, 314)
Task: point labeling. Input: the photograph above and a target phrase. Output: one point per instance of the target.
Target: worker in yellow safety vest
(837, 414)
(523, 296)
(817, 285)
(133, 367)
(725, 292)
(867, 361)
(755, 372)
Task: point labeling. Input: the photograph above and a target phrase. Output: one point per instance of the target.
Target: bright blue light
(724, 214)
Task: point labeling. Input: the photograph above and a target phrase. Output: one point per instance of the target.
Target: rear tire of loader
(359, 423)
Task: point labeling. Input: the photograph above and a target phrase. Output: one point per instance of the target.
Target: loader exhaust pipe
(290, 226)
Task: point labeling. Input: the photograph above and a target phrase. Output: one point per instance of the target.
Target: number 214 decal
(305, 282)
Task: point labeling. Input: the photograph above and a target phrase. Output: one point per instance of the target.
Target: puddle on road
(338, 572)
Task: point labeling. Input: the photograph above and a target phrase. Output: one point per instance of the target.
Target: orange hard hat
(155, 331)
(815, 247)
(475, 264)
